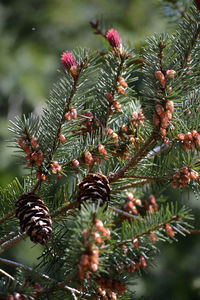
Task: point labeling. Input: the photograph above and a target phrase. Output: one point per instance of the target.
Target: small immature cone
(152, 236)
(34, 142)
(170, 73)
(75, 163)
(109, 97)
(88, 157)
(135, 242)
(69, 62)
(102, 149)
(143, 263)
(122, 82)
(114, 39)
(116, 106)
(156, 120)
(73, 113)
(159, 109)
(169, 231)
(62, 138)
(67, 116)
(161, 78)
(120, 90)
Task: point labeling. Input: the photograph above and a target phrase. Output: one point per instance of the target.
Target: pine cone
(34, 218)
(94, 187)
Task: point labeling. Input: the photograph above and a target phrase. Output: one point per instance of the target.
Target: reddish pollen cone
(113, 38)
(68, 61)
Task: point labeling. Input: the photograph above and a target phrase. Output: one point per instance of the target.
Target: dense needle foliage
(120, 127)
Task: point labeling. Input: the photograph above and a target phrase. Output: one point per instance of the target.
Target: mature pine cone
(34, 218)
(94, 187)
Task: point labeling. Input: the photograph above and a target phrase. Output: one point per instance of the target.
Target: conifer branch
(174, 218)
(122, 59)
(142, 152)
(4, 273)
(16, 237)
(95, 25)
(12, 241)
(56, 140)
(60, 285)
(180, 9)
(142, 177)
(123, 213)
(191, 45)
(137, 183)
(7, 237)
(9, 215)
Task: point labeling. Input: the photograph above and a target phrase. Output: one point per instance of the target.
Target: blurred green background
(34, 33)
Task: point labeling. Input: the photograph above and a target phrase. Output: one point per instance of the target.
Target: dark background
(33, 34)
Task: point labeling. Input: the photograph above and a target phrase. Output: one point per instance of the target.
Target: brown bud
(120, 90)
(161, 78)
(170, 73)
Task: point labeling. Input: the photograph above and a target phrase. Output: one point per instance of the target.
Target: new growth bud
(161, 78)
(113, 38)
(69, 62)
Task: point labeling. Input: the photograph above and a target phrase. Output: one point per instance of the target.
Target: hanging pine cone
(94, 187)
(34, 218)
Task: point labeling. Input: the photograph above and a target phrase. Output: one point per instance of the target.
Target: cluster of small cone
(161, 76)
(122, 84)
(92, 241)
(189, 140)
(89, 262)
(113, 103)
(128, 133)
(131, 204)
(136, 264)
(137, 118)
(169, 230)
(88, 158)
(184, 176)
(94, 187)
(56, 168)
(113, 135)
(88, 119)
(136, 206)
(34, 218)
(162, 116)
(29, 146)
(72, 114)
(150, 204)
(101, 149)
(109, 289)
(164, 110)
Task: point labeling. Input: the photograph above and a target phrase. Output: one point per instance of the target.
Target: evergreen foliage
(143, 140)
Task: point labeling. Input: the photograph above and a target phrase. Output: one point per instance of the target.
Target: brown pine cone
(34, 218)
(94, 187)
